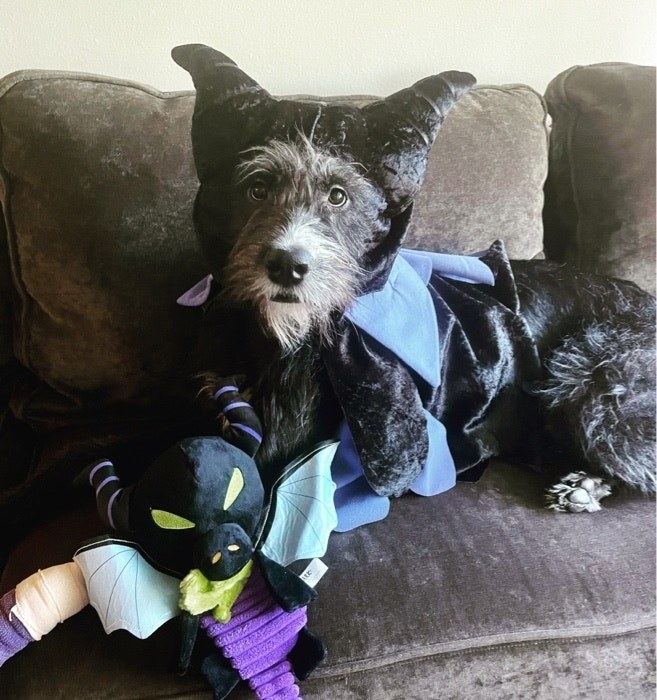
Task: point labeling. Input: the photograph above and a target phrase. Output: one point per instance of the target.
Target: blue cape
(402, 318)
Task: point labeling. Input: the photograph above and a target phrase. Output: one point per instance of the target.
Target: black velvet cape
(487, 356)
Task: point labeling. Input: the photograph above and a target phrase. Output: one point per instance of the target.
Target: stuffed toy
(197, 540)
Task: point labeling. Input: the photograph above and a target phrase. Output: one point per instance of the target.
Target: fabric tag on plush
(313, 573)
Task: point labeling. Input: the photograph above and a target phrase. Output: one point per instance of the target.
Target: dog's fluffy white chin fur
(289, 322)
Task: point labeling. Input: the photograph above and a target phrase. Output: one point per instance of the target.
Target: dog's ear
(402, 129)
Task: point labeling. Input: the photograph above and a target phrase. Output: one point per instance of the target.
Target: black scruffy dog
(302, 209)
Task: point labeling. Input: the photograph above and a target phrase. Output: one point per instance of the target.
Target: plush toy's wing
(126, 591)
(301, 513)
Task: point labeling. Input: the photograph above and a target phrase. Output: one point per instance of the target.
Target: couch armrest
(600, 192)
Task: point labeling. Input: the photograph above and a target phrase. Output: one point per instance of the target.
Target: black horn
(216, 77)
(229, 106)
(422, 107)
(111, 498)
(406, 124)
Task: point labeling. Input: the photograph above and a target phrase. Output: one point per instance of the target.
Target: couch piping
(488, 642)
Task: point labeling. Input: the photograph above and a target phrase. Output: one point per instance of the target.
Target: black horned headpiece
(391, 138)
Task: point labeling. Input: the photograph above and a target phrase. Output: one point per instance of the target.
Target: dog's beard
(292, 314)
(289, 323)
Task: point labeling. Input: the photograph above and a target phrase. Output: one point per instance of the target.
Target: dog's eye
(337, 197)
(258, 191)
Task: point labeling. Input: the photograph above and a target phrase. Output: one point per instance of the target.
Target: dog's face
(303, 205)
(302, 221)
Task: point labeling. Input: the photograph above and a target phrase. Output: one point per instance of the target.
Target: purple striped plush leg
(13, 635)
(257, 640)
(245, 429)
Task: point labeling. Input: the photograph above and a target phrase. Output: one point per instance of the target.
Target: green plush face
(198, 506)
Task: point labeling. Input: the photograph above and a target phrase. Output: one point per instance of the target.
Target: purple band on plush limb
(223, 390)
(110, 505)
(105, 481)
(100, 465)
(13, 635)
(257, 640)
(249, 431)
(236, 404)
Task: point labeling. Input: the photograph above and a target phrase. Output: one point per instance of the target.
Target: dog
(302, 209)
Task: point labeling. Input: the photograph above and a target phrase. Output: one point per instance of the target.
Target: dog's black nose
(287, 267)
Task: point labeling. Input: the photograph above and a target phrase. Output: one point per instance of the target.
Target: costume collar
(401, 316)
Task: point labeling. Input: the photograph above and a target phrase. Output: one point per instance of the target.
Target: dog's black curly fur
(596, 338)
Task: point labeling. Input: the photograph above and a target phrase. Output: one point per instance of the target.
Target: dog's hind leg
(599, 397)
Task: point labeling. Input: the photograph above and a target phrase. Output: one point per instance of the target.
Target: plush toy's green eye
(170, 521)
(234, 489)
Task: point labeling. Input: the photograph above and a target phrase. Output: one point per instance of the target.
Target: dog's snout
(287, 267)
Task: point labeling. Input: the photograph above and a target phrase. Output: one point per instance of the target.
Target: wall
(328, 46)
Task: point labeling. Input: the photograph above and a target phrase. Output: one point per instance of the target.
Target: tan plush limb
(50, 596)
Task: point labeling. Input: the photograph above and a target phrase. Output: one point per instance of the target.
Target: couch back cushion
(486, 175)
(97, 185)
(600, 194)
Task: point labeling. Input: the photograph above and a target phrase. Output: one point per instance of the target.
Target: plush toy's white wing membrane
(302, 514)
(126, 591)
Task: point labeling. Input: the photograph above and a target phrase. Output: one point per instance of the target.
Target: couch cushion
(478, 588)
(97, 183)
(486, 175)
(600, 193)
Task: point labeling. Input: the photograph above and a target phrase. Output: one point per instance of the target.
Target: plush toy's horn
(406, 124)
(245, 427)
(111, 498)
(216, 77)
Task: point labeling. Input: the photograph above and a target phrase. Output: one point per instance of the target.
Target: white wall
(328, 46)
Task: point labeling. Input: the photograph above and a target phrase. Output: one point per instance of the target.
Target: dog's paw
(578, 492)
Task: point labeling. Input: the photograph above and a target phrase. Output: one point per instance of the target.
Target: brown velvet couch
(479, 592)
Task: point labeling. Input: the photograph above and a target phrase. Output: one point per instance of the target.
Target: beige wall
(328, 46)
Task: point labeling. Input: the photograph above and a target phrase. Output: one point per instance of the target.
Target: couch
(478, 592)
